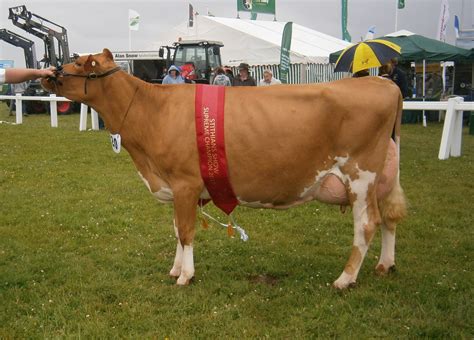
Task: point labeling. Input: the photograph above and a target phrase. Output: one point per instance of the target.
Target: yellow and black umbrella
(366, 54)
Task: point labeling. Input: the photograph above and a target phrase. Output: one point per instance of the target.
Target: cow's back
(279, 138)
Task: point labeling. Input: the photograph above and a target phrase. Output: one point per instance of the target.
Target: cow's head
(77, 80)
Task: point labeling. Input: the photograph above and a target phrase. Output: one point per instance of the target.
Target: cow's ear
(89, 64)
(108, 55)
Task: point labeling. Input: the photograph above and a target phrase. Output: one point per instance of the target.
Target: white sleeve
(2, 76)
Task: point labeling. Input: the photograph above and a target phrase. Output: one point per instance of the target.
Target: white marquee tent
(257, 42)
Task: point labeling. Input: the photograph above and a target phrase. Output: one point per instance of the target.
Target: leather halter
(91, 75)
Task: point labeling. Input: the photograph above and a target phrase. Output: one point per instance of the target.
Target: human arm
(19, 75)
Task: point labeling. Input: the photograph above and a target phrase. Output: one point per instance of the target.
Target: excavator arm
(51, 33)
(27, 45)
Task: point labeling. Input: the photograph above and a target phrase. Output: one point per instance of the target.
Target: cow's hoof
(341, 285)
(384, 270)
(175, 272)
(184, 281)
(345, 281)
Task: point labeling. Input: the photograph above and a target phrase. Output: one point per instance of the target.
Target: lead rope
(231, 226)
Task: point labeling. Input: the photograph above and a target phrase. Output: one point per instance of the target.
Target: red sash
(209, 108)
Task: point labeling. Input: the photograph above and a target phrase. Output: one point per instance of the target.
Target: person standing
(268, 79)
(399, 77)
(173, 76)
(243, 78)
(221, 78)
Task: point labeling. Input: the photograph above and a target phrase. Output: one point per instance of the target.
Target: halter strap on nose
(92, 75)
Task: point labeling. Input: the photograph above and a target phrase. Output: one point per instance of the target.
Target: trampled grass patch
(85, 251)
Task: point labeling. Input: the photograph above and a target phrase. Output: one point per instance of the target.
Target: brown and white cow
(285, 145)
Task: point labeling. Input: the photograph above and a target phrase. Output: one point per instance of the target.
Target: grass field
(85, 252)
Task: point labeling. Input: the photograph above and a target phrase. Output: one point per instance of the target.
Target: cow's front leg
(178, 258)
(185, 202)
(366, 218)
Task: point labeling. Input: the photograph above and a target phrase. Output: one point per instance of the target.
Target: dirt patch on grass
(267, 279)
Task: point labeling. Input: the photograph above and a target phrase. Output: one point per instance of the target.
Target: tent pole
(424, 76)
(396, 15)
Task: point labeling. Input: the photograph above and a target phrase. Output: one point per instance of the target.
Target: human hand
(47, 72)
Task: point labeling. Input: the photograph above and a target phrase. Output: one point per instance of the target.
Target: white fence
(53, 108)
(451, 138)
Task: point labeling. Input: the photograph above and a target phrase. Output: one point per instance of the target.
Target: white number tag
(116, 142)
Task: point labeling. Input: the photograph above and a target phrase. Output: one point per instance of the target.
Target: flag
(345, 33)
(443, 20)
(370, 33)
(401, 4)
(133, 20)
(285, 52)
(456, 26)
(256, 6)
(191, 16)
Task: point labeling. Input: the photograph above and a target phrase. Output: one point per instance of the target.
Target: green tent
(417, 48)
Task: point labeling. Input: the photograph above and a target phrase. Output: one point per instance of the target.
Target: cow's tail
(393, 206)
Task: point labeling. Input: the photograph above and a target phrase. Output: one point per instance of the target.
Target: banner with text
(285, 52)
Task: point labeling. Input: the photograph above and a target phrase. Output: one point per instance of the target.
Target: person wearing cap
(243, 78)
(268, 79)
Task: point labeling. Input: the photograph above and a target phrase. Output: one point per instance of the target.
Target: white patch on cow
(205, 194)
(144, 180)
(178, 258)
(165, 194)
(187, 268)
(334, 170)
(387, 254)
(344, 281)
(255, 204)
(359, 187)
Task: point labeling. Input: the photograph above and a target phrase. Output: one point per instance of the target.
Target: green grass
(85, 251)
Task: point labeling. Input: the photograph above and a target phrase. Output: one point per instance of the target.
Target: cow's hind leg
(366, 218)
(185, 202)
(392, 210)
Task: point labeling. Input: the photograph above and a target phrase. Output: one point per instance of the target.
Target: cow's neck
(117, 96)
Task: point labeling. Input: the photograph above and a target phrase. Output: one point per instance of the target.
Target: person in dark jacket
(243, 78)
(399, 77)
